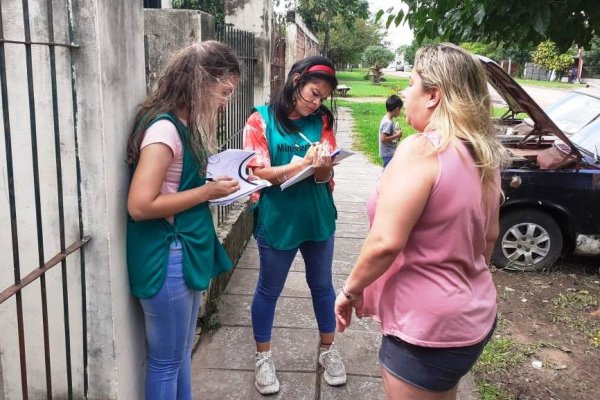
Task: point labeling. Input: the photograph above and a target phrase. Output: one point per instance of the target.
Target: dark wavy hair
(283, 102)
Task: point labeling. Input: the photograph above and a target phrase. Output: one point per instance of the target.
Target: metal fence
(41, 193)
(277, 58)
(233, 119)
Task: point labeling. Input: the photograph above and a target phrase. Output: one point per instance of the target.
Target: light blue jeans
(170, 318)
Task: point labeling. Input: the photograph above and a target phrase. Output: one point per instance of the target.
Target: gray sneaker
(331, 361)
(266, 381)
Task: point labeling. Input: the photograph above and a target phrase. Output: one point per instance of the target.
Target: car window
(574, 111)
(588, 137)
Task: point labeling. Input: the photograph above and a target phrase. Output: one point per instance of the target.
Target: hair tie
(321, 68)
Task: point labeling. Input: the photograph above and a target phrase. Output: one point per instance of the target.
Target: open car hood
(519, 101)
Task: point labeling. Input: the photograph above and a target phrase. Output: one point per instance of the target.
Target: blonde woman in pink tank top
(422, 271)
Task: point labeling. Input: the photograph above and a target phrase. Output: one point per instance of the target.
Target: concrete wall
(300, 41)
(166, 31)
(109, 70)
(255, 16)
(109, 83)
(28, 255)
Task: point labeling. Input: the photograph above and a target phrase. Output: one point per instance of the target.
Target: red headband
(321, 68)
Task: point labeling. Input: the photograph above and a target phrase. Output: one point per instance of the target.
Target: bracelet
(326, 180)
(277, 176)
(285, 178)
(350, 296)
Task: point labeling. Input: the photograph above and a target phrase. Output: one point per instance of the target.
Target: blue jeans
(386, 160)
(170, 320)
(274, 268)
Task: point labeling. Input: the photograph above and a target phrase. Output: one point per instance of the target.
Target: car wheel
(529, 240)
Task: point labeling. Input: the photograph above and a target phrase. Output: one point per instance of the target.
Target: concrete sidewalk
(223, 364)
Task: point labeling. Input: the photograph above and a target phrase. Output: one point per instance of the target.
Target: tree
(591, 57)
(546, 55)
(319, 15)
(348, 43)
(214, 7)
(517, 22)
(411, 50)
(377, 57)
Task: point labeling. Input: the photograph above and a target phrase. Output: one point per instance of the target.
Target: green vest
(304, 211)
(148, 241)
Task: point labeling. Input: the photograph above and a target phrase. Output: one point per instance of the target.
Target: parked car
(552, 184)
(574, 111)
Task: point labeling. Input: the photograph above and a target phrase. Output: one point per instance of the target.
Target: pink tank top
(439, 291)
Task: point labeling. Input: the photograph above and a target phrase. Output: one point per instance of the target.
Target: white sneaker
(331, 361)
(265, 381)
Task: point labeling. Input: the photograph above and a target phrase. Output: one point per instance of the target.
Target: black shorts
(429, 368)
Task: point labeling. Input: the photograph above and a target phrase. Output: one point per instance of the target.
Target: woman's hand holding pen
(322, 162)
(221, 187)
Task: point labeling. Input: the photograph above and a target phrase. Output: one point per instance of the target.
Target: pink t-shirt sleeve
(164, 131)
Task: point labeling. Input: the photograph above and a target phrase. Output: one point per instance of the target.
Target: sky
(395, 35)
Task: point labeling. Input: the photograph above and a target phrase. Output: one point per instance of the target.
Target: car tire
(529, 240)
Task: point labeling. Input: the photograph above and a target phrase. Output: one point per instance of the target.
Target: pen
(306, 139)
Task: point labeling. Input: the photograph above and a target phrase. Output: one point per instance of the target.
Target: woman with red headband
(295, 131)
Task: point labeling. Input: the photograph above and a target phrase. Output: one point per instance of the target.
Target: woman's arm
(145, 200)
(492, 233)
(390, 138)
(278, 175)
(405, 188)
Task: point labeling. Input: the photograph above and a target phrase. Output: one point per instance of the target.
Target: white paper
(337, 156)
(233, 162)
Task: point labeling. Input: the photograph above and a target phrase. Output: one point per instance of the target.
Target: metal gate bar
(20, 283)
(12, 206)
(232, 121)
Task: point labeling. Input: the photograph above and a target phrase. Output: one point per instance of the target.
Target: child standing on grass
(388, 134)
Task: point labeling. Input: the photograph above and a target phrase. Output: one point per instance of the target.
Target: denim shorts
(429, 368)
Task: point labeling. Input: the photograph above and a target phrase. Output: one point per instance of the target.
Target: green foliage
(517, 22)
(318, 15)
(483, 49)
(377, 57)
(546, 55)
(573, 310)
(402, 49)
(500, 51)
(411, 50)
(489, 391)
(213, 7)
(591, 57)
(501, 354)
(550, 84)
(362, 86)
(347, 43)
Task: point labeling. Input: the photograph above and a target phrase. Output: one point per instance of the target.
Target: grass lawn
(549, 84)
(367, 117)
(360, 87)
